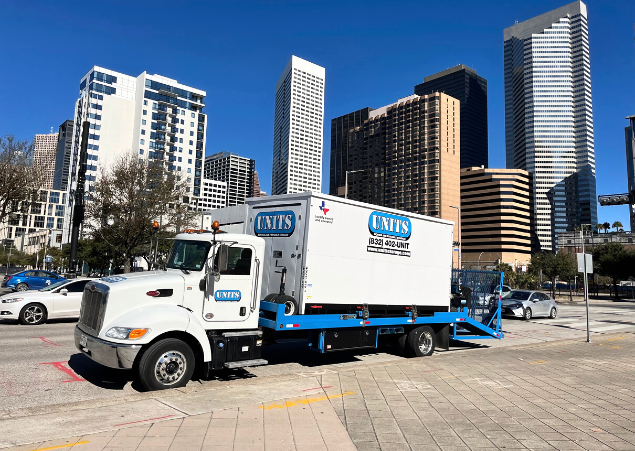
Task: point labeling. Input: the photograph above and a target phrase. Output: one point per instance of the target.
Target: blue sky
(374, 52)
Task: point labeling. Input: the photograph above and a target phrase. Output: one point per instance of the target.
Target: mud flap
(443, 337)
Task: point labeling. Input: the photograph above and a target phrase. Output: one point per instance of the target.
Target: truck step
(245, 363)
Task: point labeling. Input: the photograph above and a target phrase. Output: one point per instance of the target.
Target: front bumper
(519, 312)
(8, 313)
(112, 355)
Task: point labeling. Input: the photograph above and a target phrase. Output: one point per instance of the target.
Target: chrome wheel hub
(33, 314)
(170, 367)
(425, 342)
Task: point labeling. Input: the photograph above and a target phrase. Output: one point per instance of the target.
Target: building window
(141, 151)
(191, 142)
(180, 140)
(60, 223)
(39, 222)
(50, 223)
(143, 122)
(143, 132)
(54, 198)
(193, 115)
(145, 112)
(142, 142)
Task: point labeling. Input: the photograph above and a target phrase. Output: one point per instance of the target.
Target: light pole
(458, 209)
(586, 284)
(346, 181)
(479, 260)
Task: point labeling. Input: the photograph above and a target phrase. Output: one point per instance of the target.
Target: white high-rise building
(153, 116)
(298, 128)
(44, 151)
(549, 117)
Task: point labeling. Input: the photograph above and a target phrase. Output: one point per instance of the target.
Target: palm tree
(617, 225)
(599, 227)
(606, 226)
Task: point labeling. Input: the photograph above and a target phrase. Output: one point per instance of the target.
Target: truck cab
(204, 302)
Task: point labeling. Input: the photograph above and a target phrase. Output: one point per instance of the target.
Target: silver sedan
(527, 304)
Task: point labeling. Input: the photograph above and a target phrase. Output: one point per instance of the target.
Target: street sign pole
(586, 287)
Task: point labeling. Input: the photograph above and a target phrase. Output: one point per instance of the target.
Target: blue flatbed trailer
(458, 325)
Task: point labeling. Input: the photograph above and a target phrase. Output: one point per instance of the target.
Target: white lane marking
(613, 327)
(583, 323)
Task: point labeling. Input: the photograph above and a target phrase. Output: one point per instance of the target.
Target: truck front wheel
(421, 341)
(168, 363)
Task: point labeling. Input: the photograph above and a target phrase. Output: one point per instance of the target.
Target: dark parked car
(33, 279)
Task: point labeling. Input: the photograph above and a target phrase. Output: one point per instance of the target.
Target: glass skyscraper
(549, 117)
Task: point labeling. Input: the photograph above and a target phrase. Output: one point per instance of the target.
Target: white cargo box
(338, 251)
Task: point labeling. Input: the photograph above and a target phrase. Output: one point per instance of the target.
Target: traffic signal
(155, 226)
(615, 199)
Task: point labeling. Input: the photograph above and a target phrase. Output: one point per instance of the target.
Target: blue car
(30, 280)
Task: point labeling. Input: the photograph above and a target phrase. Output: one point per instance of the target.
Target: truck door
(282, 227)
(232, 296)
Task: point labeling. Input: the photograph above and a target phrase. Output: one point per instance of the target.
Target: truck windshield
(188, 255)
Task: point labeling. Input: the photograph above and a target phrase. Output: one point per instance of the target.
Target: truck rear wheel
(421, 341)
(290, 304)
(168, 363)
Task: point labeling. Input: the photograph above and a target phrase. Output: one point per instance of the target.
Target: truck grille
(93, 307)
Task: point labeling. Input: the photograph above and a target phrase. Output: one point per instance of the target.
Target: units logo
(274, 223)
(227, 295)
(389, 226)
(323, 208)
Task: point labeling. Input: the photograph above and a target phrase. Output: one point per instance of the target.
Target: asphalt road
(40, 366)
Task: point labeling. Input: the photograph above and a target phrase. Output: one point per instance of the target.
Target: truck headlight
(9, 301)
(126, 333)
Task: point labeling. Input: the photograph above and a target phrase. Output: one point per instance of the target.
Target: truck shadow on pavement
(101, 376)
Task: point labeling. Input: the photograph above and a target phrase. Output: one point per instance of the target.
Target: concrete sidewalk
(555, 395)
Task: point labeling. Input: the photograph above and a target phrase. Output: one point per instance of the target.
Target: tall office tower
(497, 217)
(152, 116)
(340, 128)
(549, 117)
(403, 157)
(297, 129)
(469, 88)
(236, 171)
(630, 165)
(63, 156)
(44, 150)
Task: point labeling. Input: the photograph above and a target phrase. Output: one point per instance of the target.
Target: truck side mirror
(223, 258)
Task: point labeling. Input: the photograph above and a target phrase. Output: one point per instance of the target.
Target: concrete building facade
(236, 171)
(44, 152)
(213, 195)
(407, 156)
(469, 88)
(497, 217)
(549, 117)
(298, 128)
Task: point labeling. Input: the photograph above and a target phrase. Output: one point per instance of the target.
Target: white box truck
(341, 273)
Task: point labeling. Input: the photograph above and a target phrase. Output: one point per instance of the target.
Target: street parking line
(62, 446)
(613, 327)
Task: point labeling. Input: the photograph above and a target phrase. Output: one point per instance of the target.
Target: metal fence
(484, 305)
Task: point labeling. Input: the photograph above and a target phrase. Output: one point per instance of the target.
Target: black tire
(290, 304)
(168, 363)
(271, 297)
(553, 313)
(402, 346)
(527, 314)
(33, 314)
(21, 287)
(421, 341)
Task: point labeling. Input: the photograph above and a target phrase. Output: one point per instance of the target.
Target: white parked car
(528, 304)
(59, 300)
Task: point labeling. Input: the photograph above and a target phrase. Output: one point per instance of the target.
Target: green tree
(599, 227)
(509, 276)
(614, 261)
(617, 225)
(128, 198)
(606, 226)
(560, 265)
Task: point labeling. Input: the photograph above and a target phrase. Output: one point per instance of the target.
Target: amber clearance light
(137, 333)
